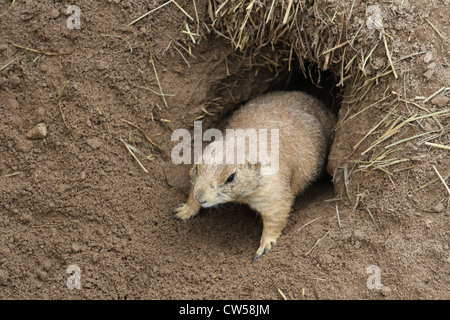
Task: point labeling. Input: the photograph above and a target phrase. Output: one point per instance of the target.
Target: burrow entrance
(247, 84)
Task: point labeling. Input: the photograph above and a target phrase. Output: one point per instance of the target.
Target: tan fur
(305, 131)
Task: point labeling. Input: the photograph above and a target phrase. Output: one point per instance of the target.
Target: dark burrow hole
(320, 84)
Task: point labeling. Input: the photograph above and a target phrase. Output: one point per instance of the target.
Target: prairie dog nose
(199, 198)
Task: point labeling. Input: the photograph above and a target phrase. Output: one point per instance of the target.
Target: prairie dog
(304, 133)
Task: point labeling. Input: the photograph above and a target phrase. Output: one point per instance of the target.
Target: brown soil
(78, 197)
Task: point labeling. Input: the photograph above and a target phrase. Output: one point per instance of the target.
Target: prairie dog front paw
(183, 212)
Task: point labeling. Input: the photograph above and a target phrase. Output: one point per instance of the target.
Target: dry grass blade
(351, 10)
(157, 146)
(220, 7)
(196, 16)
(59, 98)
(381, 164)
(442, 179)
(288, 10)
(306, 224)
(363, 67)
(173, 185)
(182, 10)
(151, 11)
(134, 156)
(156, 76)
(270, 11)
(181, 46)
(365, 109)
(10, 174)
(406, 139)
(437, 113)
(389, 55)
(370, 132)
(8, 63)
(338, 218)
(410, 56)
(346, 180)
(317, 242)
(249, 11)
(415, 104)
(42, 52)
(430, 183)
(290, 57)
(62, 114)
(189, 33)
(437, 145)
(336, 47)
(281, 294)
(243, 40)
(435, 29)
(119, 37)
(432, 137)
(182, 56)
(434, 94)
(139, 152)
(341, 81)
(371, 216)
(156, 92)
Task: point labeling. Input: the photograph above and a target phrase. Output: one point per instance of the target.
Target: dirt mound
(96, 188)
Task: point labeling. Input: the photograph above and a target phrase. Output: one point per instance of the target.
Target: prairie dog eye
(230, 178)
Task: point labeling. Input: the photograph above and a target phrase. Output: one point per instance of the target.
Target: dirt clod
(75, 248)
(53, 14)
(440, 101)
(94, 143)
(438, 207)
(42, 275)
(40, 115)
(358, 234)
(38, 132)
(428, 74)
(47, 265)
(428, 57)
(386, 291)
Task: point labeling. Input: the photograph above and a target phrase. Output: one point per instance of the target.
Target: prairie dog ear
(254, 166)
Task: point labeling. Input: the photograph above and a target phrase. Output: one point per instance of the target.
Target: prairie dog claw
(265, 247)
(184, 212)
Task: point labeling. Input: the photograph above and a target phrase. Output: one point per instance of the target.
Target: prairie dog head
(216, 183)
